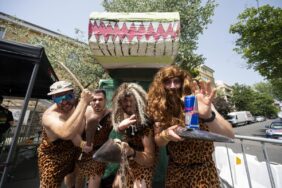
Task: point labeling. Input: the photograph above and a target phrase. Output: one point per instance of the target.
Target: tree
(258, 102)
(194, 17)
(77, 56)
(277, 88)
(243, 97)
(263, 105)
(222, 106)
(271, 88)
(260, 40)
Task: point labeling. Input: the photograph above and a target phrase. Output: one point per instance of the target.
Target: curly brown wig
(159, 108)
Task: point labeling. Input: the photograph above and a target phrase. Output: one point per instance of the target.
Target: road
(254, 148)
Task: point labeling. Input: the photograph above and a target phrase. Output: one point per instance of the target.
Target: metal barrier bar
(252, 138)
(246, 164)
(268, 165)
(228, 156)
(265, 153)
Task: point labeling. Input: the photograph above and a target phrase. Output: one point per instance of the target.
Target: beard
(173, 102)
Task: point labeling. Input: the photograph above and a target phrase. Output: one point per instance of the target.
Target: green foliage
(273, 88)
(257, 102)
(194, 17)
(77, 56)
(222, 106)
(277, 88)
(260, 40)
(263, 105)
(243, 97)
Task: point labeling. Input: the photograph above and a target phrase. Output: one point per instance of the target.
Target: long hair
(140, 97)
(157, 108)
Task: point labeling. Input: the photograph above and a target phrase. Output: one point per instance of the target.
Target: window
(2, 32)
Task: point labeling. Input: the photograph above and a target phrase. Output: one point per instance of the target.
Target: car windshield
(276, 125)
(230, 116)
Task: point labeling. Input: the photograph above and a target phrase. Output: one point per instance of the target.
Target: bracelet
(164, 135)
(210, 119)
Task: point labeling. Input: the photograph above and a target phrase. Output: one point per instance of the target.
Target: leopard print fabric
(138, 172)
(191, 164)
(87, 166)
(55, 161)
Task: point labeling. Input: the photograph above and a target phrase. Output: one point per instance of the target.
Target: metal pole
(268, 165)
(246, 164)
(15, 137)
(31, 119)
(229, 165)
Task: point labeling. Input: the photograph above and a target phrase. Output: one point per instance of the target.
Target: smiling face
(99, 102)
(65, 100)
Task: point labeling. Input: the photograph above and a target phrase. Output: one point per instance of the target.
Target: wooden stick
(79, 85)
(72, 75)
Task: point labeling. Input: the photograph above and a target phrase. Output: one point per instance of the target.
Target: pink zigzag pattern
(134, 30)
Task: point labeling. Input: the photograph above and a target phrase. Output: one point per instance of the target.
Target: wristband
(208, 120)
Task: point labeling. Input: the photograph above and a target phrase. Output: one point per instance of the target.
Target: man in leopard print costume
(128, 118)
(98, 128)
(61, 123)
(190, 161)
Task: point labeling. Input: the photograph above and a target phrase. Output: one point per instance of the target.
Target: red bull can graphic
(191, 112)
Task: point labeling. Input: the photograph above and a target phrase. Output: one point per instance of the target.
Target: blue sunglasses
(66, 97)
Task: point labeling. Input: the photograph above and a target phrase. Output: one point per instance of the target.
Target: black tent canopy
(25, 72)
(16, 66)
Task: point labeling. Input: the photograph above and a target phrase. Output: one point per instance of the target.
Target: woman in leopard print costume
(128, 118)
(190, 161)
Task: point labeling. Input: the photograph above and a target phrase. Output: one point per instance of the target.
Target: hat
(59, 87)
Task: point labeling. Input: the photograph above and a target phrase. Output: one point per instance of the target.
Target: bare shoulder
(50, 116)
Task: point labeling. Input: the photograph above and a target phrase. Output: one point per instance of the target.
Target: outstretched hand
(205, 95)
(172, 135)
(124, 124)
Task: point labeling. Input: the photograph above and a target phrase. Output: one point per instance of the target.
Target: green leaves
(194, 17)
(260, 39)
(258, 101)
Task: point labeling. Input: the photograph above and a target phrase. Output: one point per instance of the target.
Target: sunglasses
(66, 97)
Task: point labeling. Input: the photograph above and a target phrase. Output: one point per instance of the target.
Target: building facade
(76, 55)
(206, 73)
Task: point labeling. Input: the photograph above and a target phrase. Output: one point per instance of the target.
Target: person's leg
(117, 182)
(94, 182)
(139, 184)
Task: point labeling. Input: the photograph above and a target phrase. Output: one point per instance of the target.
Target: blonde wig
(140, 97)
(158, 96)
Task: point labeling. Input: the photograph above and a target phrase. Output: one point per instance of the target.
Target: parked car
(274, 130)
(240, 117)
(260, 118)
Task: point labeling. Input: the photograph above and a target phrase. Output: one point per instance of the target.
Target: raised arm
(56, 125)
(205, 95)
(220, 125)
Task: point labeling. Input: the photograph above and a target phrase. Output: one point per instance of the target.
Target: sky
(216, 44)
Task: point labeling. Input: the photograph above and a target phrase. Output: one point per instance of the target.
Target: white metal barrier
(244, 170)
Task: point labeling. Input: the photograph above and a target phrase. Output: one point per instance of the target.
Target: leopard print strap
(124, 167)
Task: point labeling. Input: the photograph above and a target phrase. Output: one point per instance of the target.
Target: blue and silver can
(191, 112)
